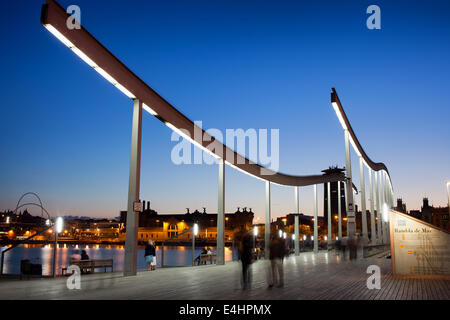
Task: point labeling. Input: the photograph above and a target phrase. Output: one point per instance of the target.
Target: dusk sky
(66, 131)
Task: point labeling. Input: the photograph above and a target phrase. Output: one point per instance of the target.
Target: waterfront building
(161, 227)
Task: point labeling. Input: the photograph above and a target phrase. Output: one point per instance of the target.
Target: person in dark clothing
(352, 247)
(246, 257)
(276, 255)
(204, 251)
(150, 255)
(84, 255)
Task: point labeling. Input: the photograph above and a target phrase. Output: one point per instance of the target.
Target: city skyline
(76, 157)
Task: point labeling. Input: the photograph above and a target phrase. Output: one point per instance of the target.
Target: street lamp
(59, 224)
(280, 233)
(255, 231)
(194, 233)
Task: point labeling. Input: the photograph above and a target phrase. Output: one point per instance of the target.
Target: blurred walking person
(277, 252)
(245, 255)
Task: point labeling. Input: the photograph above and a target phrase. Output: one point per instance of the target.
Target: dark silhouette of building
(401, 206)
(426, 210)
(436, 216)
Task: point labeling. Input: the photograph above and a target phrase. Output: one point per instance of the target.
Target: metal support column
(130, 261)
(267, 226)
(220, 251)
(363, 199)
(379, 214)
(329, 213)
(351, 223)
(339, 211)
(373, 233)
(296, 232)
(383, 202)
(316, 234)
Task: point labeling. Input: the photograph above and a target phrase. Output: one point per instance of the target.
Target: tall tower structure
(334, 197)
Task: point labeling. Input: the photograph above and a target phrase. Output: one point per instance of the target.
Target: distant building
(426, 211)
(436, 216)
(440, 218)
(401, 206)
(161, 227)
(415, 214)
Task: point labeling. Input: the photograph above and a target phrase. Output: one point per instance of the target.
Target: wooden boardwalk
(309, 276)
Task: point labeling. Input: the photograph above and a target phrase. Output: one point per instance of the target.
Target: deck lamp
(59, 224)
(195, 229)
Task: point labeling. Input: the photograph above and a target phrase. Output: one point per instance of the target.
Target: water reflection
(173, 256)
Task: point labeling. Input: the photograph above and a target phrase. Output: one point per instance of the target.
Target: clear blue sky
(232, 64)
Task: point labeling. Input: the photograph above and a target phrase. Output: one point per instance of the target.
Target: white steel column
(267, 227)
(383, 201)
(373, 234)
(339, 212)
(316, 234)
(379, 218)
(130, 261)
(329, 213)
(386, 200)
(363, 199)
(351, 223)
(220, 251)
(296, 232)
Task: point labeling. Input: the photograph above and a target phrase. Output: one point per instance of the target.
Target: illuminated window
(172, 230)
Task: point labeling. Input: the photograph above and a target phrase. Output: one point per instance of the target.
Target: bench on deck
(89, 266)
(204, 258)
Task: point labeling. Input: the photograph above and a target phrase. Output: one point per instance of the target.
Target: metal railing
(174, 237)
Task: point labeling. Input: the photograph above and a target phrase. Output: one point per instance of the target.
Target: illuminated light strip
(344, 126)
(149, 110)
(88, 60)
(105, 75)
(356, 149)
(247, 173)
(339, 115)
(187, 137)
(58, 35)
(84, 57)
(53, 12)
(125, 91)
